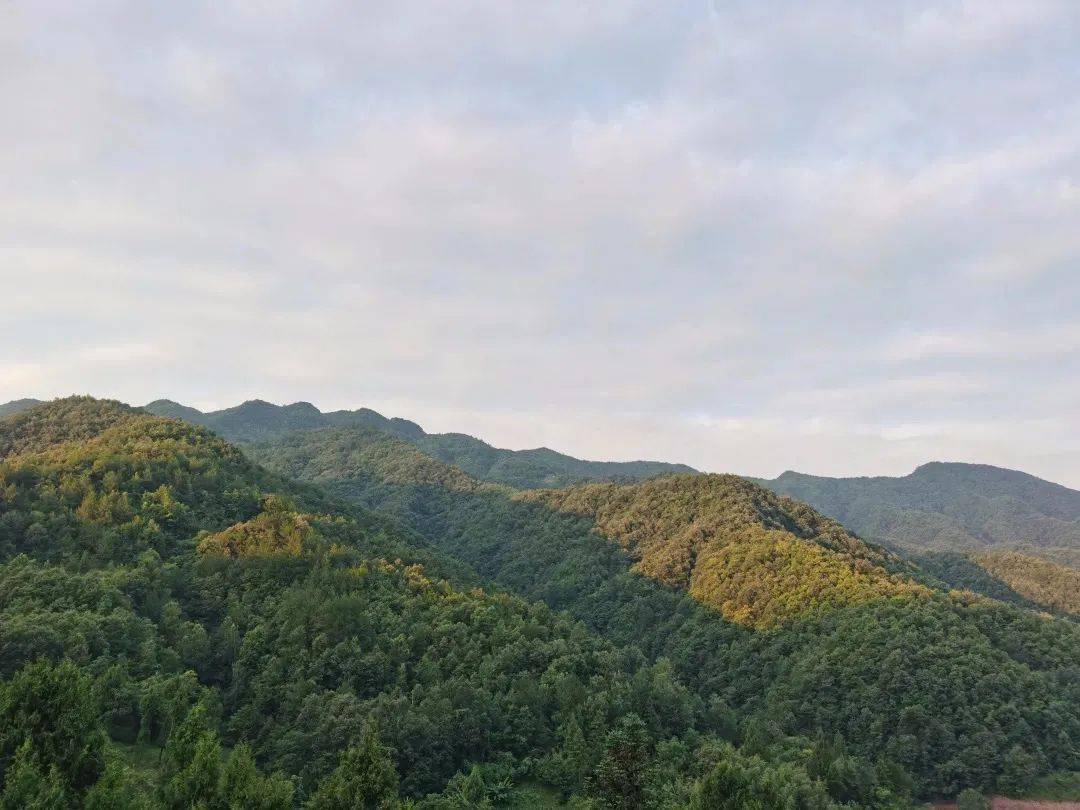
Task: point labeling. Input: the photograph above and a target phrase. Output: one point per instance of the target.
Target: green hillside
(758, 601)
(183, 628)
(16, 405)
(949, 507)
(259, 421)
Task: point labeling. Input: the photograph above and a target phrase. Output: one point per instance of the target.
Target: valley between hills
(274, 607)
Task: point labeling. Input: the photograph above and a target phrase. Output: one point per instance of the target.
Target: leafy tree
(1018, 771)
(738, 782)
(115, 791)
(27, 788)
(619, 779)
(49, 713)
(365, 779)
(242, 786)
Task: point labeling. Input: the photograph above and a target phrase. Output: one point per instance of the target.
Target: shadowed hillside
(183, 628)
(949, 507)
(851, 640)
(257, 420)
(16, 405)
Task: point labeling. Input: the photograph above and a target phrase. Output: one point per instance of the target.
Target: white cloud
(840, 231)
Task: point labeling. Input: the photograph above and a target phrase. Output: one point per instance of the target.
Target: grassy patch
(1059, 786)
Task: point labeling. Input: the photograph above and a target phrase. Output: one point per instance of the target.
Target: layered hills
(333, 611)
(756, 599)
(949, 507)
(258, 421)
(183, 628)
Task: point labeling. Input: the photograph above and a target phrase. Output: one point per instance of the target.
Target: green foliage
(27, 786)
(365, 779)
(619, 778)
(971, 799)
(16, 405)
(860, 644)
(117, 790)
(240, 625)
(196, 775)
(1057, 786)
(201, 600)
(258, 421)
(1019, 768)
(949, 507)
(1009, 576)
(746, 783)
(1041, 582)
(49, 722)
(756, 558)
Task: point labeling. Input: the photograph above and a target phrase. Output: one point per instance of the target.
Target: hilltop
(949, 507)
(757, 600)
(257, 420)
(16, 405)
(184, 628)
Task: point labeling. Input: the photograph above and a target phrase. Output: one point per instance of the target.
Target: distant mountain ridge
(949, 506)
(749, 597)
(149, 557)
(16, 405)
(256, 421)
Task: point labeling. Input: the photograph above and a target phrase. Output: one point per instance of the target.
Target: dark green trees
(364, 779)
(50, 732)
(619, 780)
(195, 774)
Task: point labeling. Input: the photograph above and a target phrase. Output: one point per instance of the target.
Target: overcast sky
(838, 237)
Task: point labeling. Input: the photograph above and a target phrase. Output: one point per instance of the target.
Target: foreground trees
(182, 628)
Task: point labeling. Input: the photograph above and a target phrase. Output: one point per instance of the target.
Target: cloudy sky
(838, 237)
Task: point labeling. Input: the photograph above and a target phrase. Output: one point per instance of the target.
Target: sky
(836, 237)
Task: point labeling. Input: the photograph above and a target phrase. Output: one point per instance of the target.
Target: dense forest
(950, 508)
(261, 421)
(798, 627)
(1011, 577)
(182, 627)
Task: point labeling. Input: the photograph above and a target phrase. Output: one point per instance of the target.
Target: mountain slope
(16, 405)
(1054, 587)
(731, 544)
(736, 547)
(258, 421)
(701, 571)
(158, 587)
(948, 507)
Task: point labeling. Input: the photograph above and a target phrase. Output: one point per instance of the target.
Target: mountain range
(947, 507)
(258, 420)
(307, 606)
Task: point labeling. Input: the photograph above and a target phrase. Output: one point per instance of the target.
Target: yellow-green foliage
(65, 420)
(276, 532)
(1043, 582)
(758, 558)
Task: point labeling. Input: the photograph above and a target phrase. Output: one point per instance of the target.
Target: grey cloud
(835, 236)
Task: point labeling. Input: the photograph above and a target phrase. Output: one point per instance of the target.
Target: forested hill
(257, 421)
(1009, 576)
(182, 628)
(802, 630)
(16, 405)
(949, 507)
